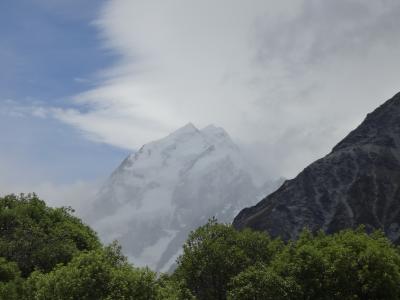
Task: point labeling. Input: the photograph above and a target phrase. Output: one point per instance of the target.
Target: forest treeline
(47, 253)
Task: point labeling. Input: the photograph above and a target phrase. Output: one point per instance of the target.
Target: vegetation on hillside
(47, 253)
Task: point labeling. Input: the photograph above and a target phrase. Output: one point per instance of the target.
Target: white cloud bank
(79, 195)
(286, 78)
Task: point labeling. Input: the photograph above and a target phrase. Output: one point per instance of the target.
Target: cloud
(78, 195)
(286, 79)
(12, 108)
(329, 29)
(18, 174)
(38, 154)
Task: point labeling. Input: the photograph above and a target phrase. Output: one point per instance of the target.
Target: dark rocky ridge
(357, 183)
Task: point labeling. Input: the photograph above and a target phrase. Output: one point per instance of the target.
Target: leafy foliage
(347, 265)
(219, 263)
(96, 274)
(10, 280)
(39, 237)
(215, 253)
(46, 253)
(171, 289)
(8, 270)
(260, 282)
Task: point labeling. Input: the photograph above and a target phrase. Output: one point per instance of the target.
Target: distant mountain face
(357, 183)
(168, 188)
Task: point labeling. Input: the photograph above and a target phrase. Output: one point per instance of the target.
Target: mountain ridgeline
(170, 187)
(357, 183)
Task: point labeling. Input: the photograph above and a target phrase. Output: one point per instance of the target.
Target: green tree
(10, 280)
(347, 265)
(261, 283)
(97, 274)
(47, 253)
(215, 253)
(39, 237)
(171, 289)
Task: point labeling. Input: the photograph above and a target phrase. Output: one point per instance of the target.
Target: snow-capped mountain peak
(188, 129)
(169, 187)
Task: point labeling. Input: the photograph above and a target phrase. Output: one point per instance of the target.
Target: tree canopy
(215, 253)
(219, 263)
(97, 274)
(38, 237)
(47, 253)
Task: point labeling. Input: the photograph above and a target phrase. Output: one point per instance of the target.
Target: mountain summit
(170, 187)
(357, 183)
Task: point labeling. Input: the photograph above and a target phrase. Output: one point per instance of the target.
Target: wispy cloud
(290, 77)
(78, 195)
(12, 108)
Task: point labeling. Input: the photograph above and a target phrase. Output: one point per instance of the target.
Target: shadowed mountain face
(357, 183)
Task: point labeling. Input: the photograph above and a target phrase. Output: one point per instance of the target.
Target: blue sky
(49, 51)
(82, 81)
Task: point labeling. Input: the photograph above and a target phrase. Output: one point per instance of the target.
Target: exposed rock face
(357, 183)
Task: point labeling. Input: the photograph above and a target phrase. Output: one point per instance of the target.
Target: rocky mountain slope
(168, 188)
(357, 183)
